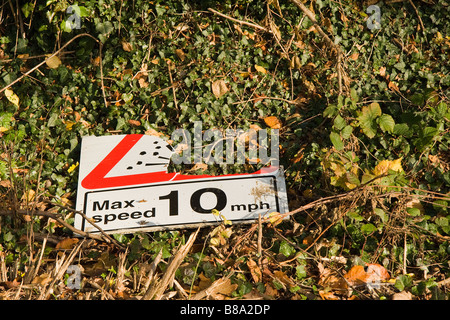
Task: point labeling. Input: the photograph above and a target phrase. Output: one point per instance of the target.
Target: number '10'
(195, 201)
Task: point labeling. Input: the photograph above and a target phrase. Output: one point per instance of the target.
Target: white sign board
(124, 187)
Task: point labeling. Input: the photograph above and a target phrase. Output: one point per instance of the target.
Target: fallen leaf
(143, 83)
(275, 218)
(12, 97)
(126, 46)
(275, 30)
(28, 196)
(180, 54)
(328, 295)
(95, 61)
(255, 271)
(260, 69)
(153, 132)
(273, 122)
(283, 277)
(393, 86)
(12, 284)
(403, 295)
(53, 63)
(354, 56)
(135, 123)
(42, 279)
(67, 243)
(370, 273)
(219, 88)
(199, 166)
(383, 71)
(385, 165)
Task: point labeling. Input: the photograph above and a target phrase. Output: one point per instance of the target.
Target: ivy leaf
(386, 123)
(383, 216)
(367, 119)
(286, 249)
(336, 140)
(12, 97)
(368, 228)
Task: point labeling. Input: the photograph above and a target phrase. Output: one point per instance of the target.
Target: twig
(169, 64)
(311, 17)
(101, 74)
(49, 57)
(88, 220)
(253, 25)
(418, 16)
(64, 223)
(259, 240)
(328, 40)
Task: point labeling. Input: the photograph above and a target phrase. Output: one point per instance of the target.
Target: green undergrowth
(376, 133)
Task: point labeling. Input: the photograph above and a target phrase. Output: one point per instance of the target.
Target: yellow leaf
(260, 69)
(3, 129)
(53, 63)
(28, 196)
(385, 165)
(73, 167)
(219, 88)
(69, 125)
(275, 218)
(273, 122)
(12, 97)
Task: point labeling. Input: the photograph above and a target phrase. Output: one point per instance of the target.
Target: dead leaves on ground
(339, 285)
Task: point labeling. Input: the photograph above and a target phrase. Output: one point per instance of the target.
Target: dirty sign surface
(124, 187)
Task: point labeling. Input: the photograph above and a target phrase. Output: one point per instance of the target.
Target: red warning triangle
(97, 179)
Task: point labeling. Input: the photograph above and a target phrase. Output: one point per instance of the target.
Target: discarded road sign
(124, 187)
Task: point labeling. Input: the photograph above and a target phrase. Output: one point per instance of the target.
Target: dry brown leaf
(328, 279)
(28, 196)
(370, 273)
(403, 295)
(180, 54)
(67, 243)
(219, 88)
(143, 83)
(354, 56)
(199, 166)
(393, 86)
(135, 123)
(254, 270)
(42, 279)
(283, 278)
(328, 295)
(383, 71)
(126, 46)
(273, 122)
(275, 30)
